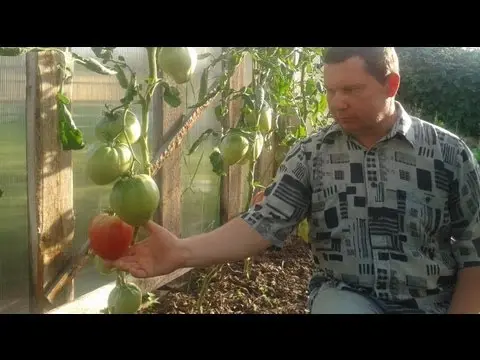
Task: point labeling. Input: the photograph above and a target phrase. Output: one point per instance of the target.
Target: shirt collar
(402, 127)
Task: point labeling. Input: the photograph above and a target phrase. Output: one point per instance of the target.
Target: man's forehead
(353, 68)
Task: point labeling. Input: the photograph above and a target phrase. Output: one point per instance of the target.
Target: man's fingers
(138, 272)
(151, 226)
(130, 265)
(123, 263)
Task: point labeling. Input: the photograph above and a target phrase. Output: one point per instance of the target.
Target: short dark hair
(379, 61)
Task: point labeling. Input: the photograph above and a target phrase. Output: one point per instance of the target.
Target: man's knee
(341, 301)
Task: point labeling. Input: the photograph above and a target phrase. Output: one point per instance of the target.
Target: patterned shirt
(396, 221)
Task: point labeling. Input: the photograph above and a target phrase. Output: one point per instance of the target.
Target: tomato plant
(109, 236)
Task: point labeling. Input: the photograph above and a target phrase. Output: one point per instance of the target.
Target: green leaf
(104, 53)
(248, 101)
(13, 51)
(94, 65)
(259, 97)
(131, 91)
(63, 98)
(216, 159)
(171, 95)
(70, 136)
(200, 140)
(203, 56)
(203, 85)
(121, 77)
(301, 132)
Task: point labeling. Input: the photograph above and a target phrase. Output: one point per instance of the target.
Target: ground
(277, 285)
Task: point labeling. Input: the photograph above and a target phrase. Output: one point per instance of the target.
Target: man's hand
(466, 298)
(158, 254)
(162, 252)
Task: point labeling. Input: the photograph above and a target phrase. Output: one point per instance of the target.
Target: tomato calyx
(108, 211)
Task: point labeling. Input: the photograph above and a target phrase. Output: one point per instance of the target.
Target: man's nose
(338, 102)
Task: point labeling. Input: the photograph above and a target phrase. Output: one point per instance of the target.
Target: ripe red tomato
(109, 236)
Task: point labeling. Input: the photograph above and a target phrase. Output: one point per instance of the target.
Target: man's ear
(392, 84)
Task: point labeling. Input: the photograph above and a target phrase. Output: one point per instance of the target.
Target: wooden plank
(234, 184)
(168, 178)
(95, 301)
(50, 186)
(265, 166)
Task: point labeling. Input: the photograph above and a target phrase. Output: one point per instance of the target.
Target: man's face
(355, 98)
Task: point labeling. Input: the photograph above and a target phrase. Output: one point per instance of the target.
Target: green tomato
(107, 163)
(125, 299)
(111, 126)
(254, 149)
(265, 121)
(233, 147)
(178, 62)
(134, 199)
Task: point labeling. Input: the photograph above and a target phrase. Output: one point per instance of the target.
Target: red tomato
(109, 236)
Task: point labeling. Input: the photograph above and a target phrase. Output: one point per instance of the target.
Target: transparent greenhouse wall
(200, 186)
(14, 277)
(90, 94)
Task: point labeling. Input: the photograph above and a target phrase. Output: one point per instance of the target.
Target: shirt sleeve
(286, 200)
(465, 210)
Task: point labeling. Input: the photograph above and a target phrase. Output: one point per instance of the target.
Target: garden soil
(276, 284)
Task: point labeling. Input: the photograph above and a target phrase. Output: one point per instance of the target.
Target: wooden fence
(51, 215)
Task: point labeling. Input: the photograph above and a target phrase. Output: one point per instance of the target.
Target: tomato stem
(251, 182)
(135, 234)
(124, 131)
(152, 84)
(120, 278)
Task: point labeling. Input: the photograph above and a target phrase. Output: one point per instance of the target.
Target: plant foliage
(442, 83)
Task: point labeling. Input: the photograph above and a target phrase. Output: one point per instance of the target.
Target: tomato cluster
(112, 157)
(133, 198)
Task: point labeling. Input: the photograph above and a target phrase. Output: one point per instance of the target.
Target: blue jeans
(340, 300)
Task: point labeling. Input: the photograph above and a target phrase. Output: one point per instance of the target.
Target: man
(392, 202)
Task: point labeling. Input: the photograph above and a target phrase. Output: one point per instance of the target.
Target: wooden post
(265, 167)
(50, 186)
(167, 121)
(234, 184)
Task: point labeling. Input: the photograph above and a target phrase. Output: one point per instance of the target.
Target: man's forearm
(234, 241)
(466, 298)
